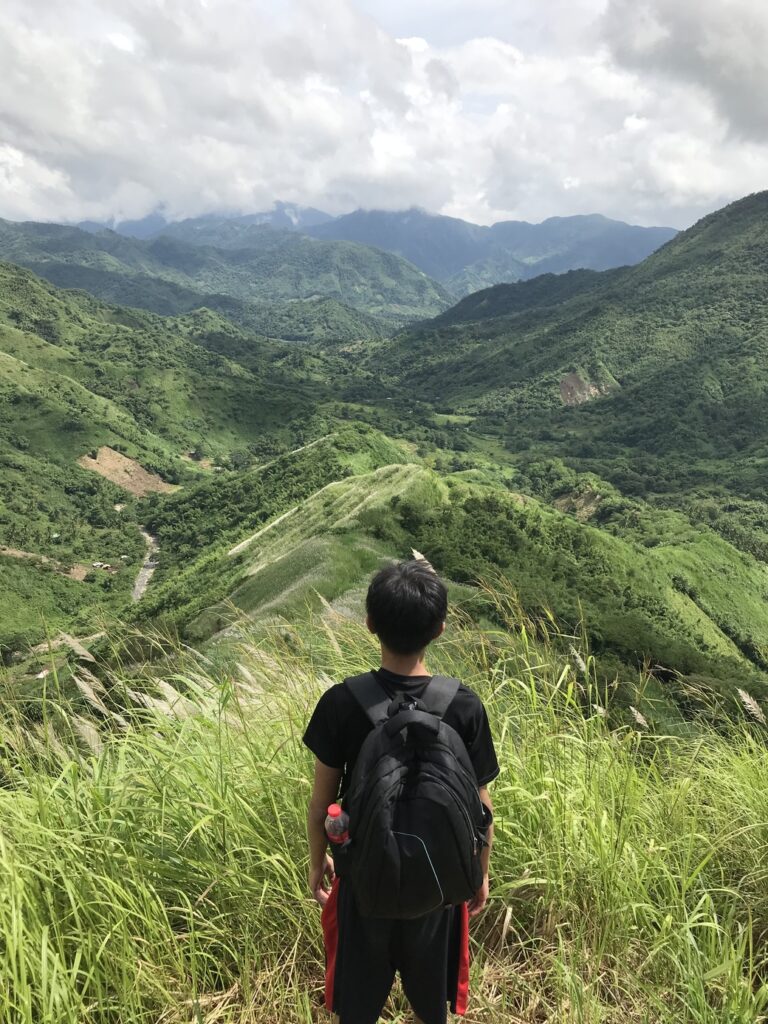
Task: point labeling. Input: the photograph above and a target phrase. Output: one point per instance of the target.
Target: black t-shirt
(339, 725)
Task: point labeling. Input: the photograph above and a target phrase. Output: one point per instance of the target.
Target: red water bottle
(337, 824)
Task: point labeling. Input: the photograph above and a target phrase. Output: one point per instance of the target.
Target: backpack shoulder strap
(439, 694)
(370, 695)
(375, 701)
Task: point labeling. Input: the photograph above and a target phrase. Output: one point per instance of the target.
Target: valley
(581, 435)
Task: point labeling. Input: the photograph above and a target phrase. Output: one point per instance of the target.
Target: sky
(650, 111)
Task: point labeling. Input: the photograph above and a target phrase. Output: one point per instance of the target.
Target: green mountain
(632, 401)
(137, 391)
(566, 432)
(283, 216)
(256, 286)
(466, 257)
(147, 365)
(664, 358)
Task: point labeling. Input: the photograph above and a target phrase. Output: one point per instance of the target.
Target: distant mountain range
(281, 283)
(284, 217)
(463, 256)
(466, 257)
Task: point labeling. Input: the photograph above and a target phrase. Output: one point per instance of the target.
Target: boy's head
(406, 604)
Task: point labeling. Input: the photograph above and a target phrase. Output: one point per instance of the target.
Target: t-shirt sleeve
(322, 732)
(480, 746)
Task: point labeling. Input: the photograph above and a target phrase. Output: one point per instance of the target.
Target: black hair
(406, 604)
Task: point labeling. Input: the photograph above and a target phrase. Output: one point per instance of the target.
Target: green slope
(147, 365)
(658, 590)
(255, 286)
(198, 528)
(688, 600)
(77, 375)
(673, 349)
(318, 549)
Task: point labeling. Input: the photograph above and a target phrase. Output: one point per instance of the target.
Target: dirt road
(147, 571)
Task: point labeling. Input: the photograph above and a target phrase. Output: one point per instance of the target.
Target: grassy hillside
(321, 548)
(628, 879)
(218, 536)
(79, 376)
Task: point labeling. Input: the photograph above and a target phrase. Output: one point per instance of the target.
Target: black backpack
(416, 822)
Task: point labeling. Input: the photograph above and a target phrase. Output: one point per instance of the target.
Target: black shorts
(362, 955)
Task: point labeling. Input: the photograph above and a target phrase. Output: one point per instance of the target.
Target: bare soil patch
(17, 553)
(249, 540)
(125, 472)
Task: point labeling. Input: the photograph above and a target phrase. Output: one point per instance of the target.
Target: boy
(406, 607)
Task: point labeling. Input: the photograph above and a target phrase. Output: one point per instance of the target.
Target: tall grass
(152, 869)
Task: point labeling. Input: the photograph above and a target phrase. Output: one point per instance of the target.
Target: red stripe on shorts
(462, 985)
(330, 923)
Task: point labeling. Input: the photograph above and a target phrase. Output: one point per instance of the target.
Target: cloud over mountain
(113, 108)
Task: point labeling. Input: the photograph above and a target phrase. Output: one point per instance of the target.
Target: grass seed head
(751, 706)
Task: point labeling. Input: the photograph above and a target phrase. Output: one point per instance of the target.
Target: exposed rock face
(575, 391)
(583, 505)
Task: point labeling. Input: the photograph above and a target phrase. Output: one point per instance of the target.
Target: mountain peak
(467, 257)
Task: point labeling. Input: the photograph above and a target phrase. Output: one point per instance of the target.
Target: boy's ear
(369, 624)
(440, 631)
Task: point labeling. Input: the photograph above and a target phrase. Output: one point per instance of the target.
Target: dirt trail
(147, 571)
(293, 451)
(243, 544)
(249, 540)
(75, 572)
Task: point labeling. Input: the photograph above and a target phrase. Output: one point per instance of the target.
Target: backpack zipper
(472, 831)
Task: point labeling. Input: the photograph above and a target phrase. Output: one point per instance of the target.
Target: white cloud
(648, 111)
(719, 47)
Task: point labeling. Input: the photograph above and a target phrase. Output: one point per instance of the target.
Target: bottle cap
(334, 811)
